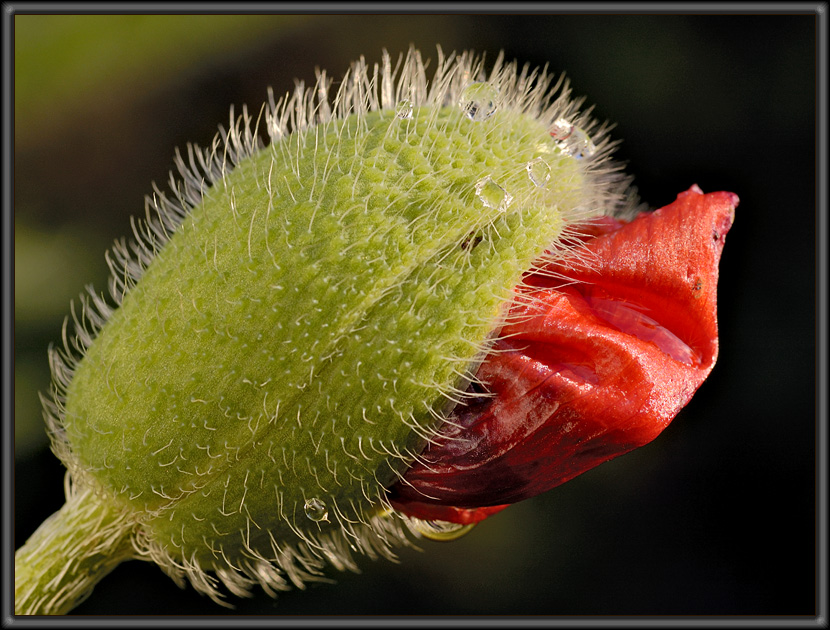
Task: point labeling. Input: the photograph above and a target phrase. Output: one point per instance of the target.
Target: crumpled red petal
(599, 358)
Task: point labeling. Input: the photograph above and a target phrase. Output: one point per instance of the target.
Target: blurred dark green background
(715, 517)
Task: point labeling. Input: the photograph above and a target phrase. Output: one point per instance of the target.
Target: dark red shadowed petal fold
(599, 359)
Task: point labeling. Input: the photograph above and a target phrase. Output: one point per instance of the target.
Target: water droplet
(492, 195)
(561, 130)
(538, 171)
(571, 139)
(478, 100)
(439, 530)
(582, 146)
(403, 109)
(316, 510)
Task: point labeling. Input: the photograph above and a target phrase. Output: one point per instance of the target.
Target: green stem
(69, 553)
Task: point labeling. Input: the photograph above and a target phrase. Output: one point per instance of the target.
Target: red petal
(600, 359)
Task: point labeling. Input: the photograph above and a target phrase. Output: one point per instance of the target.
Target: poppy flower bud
(297, 322)
(600, 353)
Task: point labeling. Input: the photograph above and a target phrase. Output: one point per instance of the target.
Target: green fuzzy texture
(308, 325)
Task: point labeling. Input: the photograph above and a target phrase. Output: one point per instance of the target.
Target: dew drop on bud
(539, 172)
(561, 130)
(571, 139)
(581, 145)
(403, 109)
(316, 510)
(439, 530)
(492, 195)
(478, 100)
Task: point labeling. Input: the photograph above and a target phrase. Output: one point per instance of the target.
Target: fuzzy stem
(69, 554)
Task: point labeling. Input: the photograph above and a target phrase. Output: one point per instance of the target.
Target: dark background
(717, 516)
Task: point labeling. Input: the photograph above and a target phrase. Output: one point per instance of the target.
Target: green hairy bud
(295, 320)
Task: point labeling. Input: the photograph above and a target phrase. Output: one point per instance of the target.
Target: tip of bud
(600, 360)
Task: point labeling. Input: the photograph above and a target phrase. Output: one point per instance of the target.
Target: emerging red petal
(597, 361)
